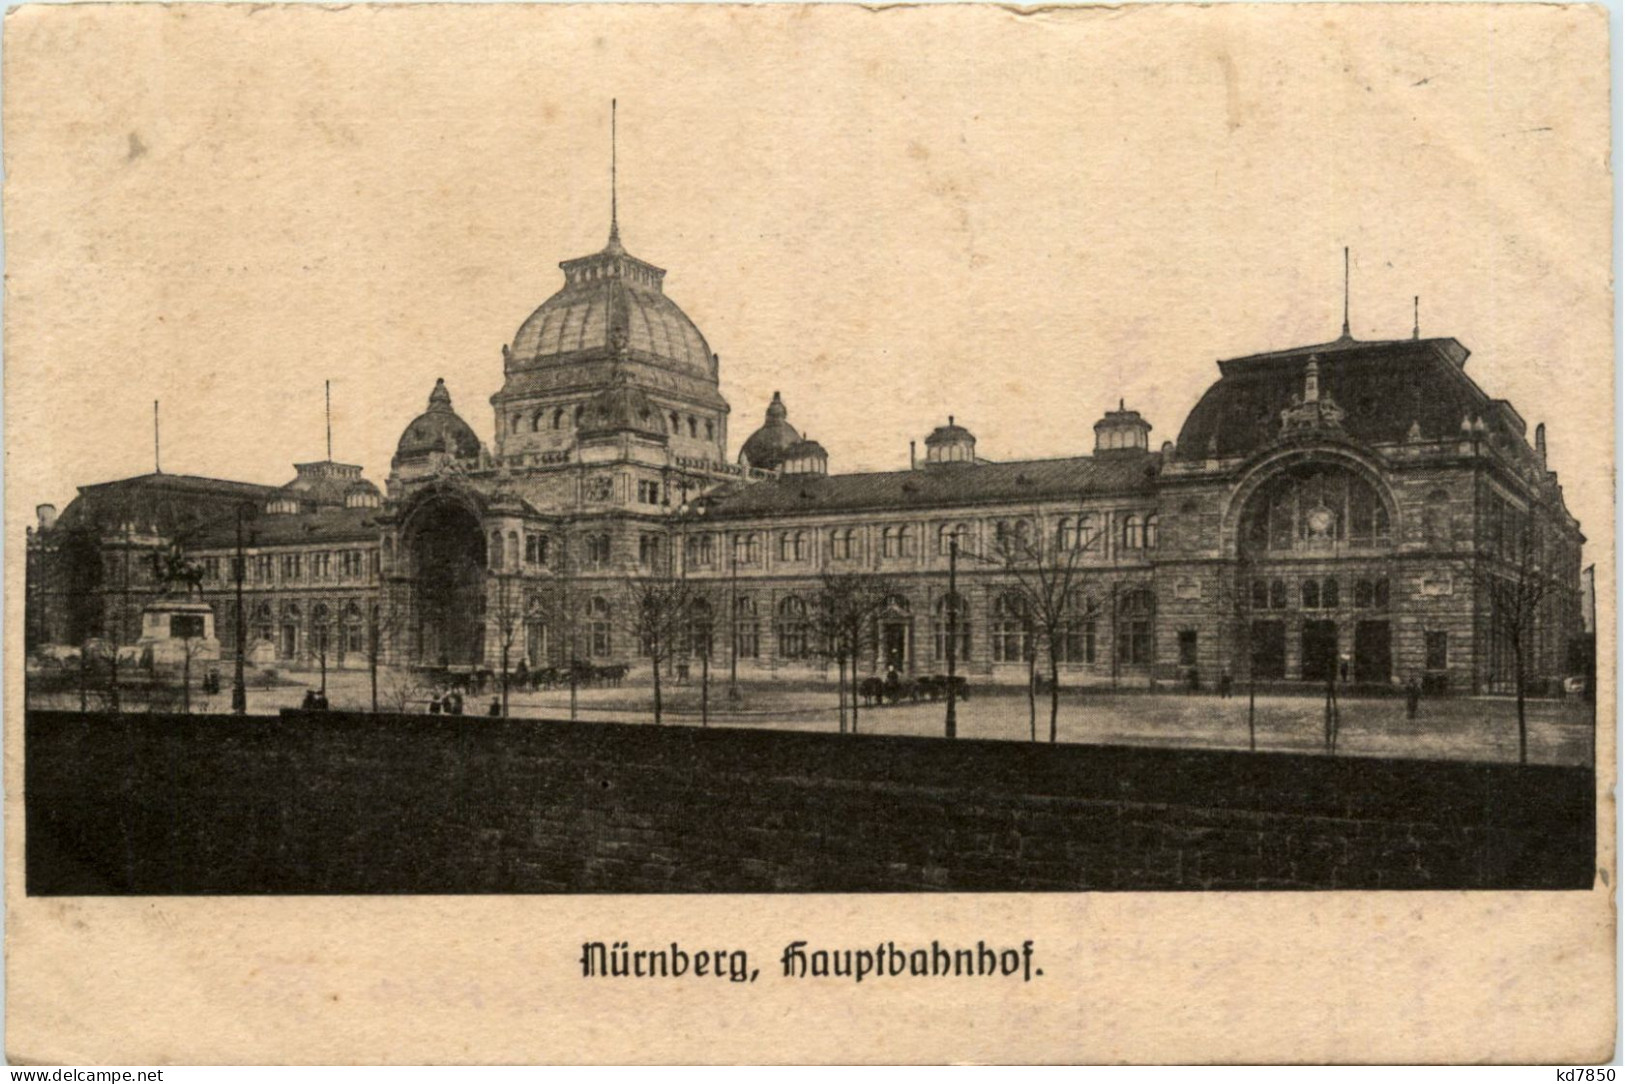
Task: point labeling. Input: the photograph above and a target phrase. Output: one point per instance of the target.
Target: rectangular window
(1438, 650)
(321, 566)
(292, 567)
(649, 550)
(1187, 647)
(211, 568)
(648, 492)
(353, 563)
(264, 567)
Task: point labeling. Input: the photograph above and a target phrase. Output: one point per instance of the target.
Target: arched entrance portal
(446, 550)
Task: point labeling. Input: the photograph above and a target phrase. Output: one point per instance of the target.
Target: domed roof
(438, 429)
(622, 407)
(805, 456)
(948, 434)
(765, 448)
(611, 303)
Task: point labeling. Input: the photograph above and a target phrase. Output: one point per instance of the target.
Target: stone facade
(1353, 511)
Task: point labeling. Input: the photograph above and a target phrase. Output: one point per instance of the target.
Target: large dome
(611, 304)
(438, 429)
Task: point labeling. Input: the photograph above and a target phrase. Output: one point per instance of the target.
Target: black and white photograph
(699, 460)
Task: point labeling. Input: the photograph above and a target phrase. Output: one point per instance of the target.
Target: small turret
(1122, 430)
(951, 443)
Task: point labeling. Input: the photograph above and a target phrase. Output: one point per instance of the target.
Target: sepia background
(889, 216)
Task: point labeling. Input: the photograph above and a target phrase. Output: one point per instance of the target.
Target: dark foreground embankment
(175, 805)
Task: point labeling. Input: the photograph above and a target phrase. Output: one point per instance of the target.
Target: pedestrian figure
(309, 703)
(434, 702)
(496, 706)
(454, 702)
(1413, 694)
(1225, 685)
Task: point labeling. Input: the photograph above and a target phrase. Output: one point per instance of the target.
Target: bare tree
(658, 612)
(508, 612)
(1515, 581)
(556, 601)
(1041, 568)
(387, 618)
(844, 625)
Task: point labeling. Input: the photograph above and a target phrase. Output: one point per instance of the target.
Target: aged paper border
(1430, 977)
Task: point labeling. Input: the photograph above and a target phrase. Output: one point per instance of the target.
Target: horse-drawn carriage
(894, 689)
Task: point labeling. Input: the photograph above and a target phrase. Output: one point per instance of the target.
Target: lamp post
(952, 722)
(239, 688)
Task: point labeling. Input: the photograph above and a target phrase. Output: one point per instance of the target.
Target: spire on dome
(440, 398)
(614, 211)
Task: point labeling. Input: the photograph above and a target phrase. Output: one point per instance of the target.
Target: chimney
(911, 464)
(47, 516)
(1540, 442)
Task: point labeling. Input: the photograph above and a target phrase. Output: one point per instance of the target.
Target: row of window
(1010, 629)
(1319, 594)
(901, 541)
(268, 568)
(570, 417)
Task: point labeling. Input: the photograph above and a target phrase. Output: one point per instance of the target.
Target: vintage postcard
(809, 533)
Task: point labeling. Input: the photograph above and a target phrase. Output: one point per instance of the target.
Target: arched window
(699, 631)
(747, 548)
(710, 431)
(536, 421)
(1328, 593)
(1362, 594)
(1151, 531)
(676, 429)
(558, 418)
(747, 628)
(1011, 628)
(518, 421)
(1088, 532)
(1277, 594)
(1315, 506)
(786, 546)
(1132, 533)
(1078, 633)
(801, 546)
(841, 544)
(496, 549)
(961, 621)
(1311, 594)
(580, 409)
(513, 548)
(598, 627)
(888, 542)
(693, 427)
(905, 541)
(1134, 615)
(1066, 535)
(1261, 595)
(354, 638)
(1380, 594)
(792, 628)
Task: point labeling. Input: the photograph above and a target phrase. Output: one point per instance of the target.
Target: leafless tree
(657, 615)
(844, 618)
(387, 618)
(1042, 568)
(508, 611)
(1515, 580)
(556, 602)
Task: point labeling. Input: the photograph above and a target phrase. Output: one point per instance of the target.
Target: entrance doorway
(447, 553)
(1269, 650)
(894, 647)
(1373, 657)
(1319, 650)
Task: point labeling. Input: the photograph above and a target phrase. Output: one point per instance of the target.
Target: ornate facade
(1345, 510)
